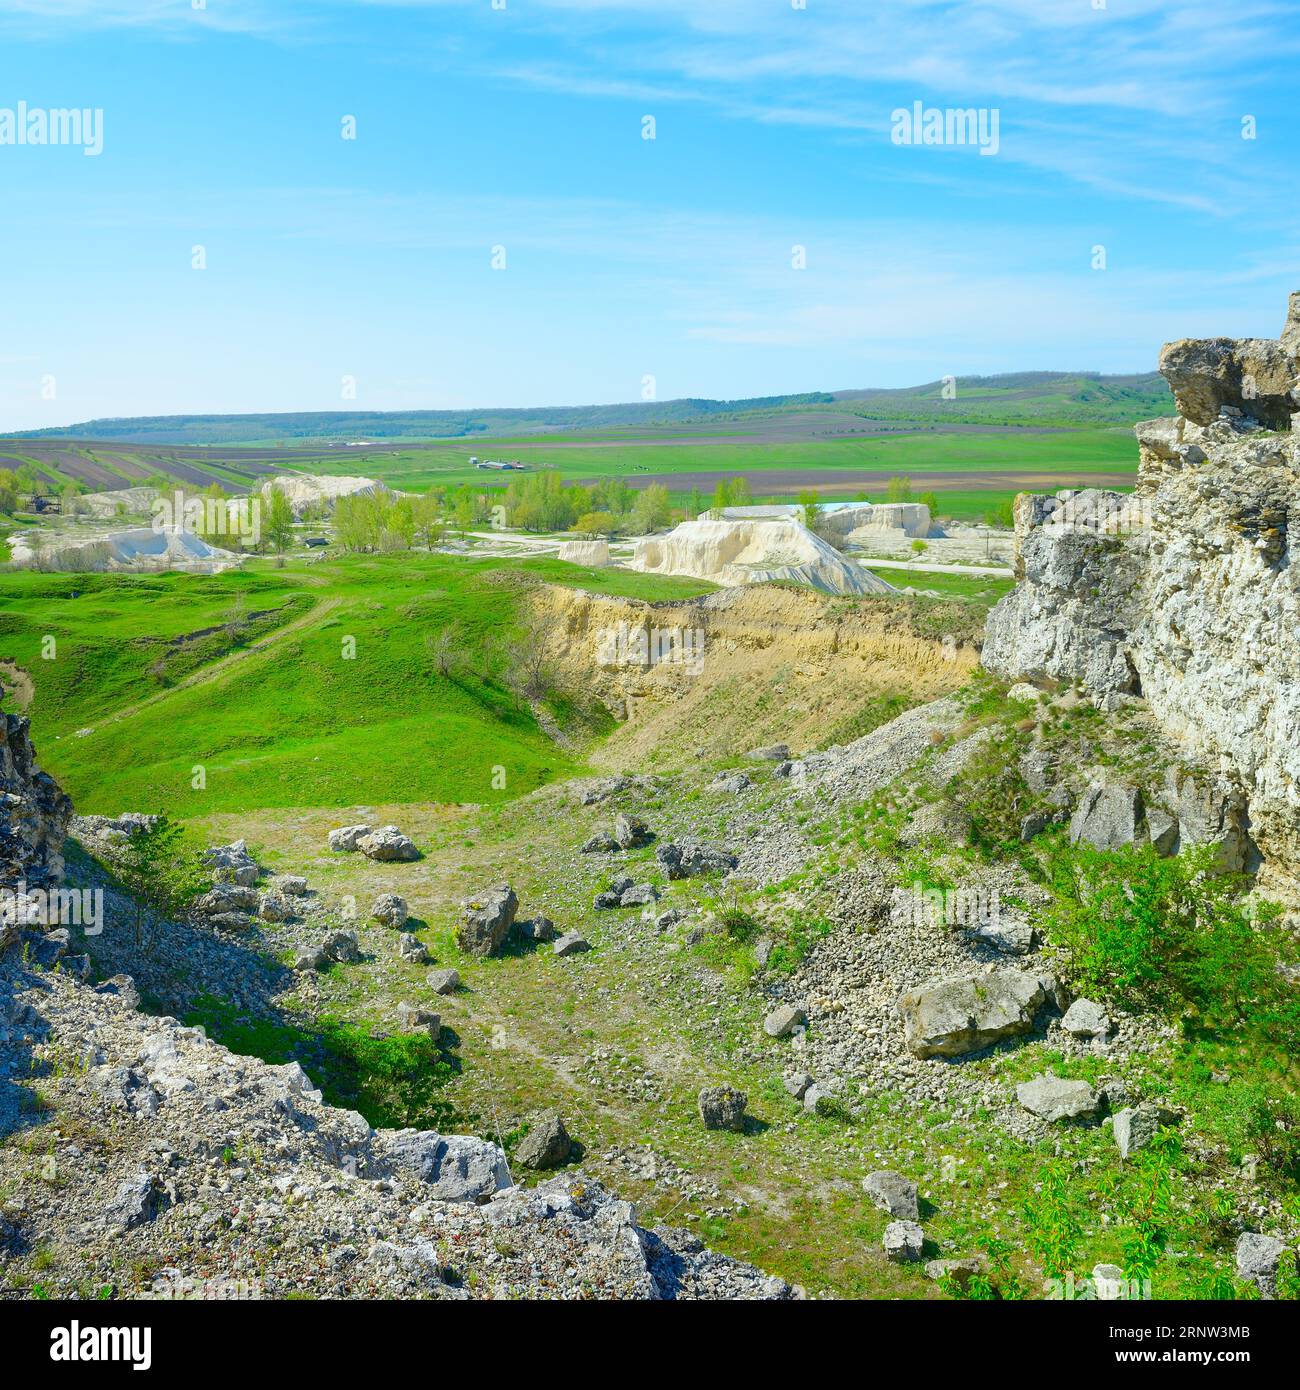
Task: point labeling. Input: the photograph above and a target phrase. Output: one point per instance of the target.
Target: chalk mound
(594, 554)
(843, 518)
(752, 551)
(306, 490)
(139, 550)
(131, 499)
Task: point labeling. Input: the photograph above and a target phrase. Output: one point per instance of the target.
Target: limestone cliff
(34, 812)
(1185, 594)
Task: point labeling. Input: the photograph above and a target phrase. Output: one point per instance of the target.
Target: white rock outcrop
(306, 490)
(751, 551)
(1185, 594)
(138, 550)
(593, 554)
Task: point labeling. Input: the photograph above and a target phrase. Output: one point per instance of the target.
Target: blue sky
(626, 259)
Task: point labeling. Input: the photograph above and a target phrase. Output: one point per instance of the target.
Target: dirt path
(219, 668)
(18, 685)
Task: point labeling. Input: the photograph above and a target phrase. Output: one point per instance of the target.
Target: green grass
(985, 589)
(301, 723)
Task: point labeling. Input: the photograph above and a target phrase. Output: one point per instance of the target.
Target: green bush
(1173, 936)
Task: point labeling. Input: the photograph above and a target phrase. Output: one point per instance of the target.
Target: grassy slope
(298, 723)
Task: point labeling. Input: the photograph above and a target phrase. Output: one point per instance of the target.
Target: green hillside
(296, 722)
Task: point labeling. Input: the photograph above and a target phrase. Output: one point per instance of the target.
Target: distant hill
(1043, 399)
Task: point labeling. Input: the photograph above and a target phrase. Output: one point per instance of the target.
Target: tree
(279, 520)
(652, 509)
(596, 524)
(216, 511)
(70, 500)
(426, 512)
(741, 496)
(447, 648)
(919, 547)
(29, 483)
(8, 492)
(931, 500)
(1001, 517)
(618, 497)
(811, 509)
(899, 489)
(160, 876)
(695, 504)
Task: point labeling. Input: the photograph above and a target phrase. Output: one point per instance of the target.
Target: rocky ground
(797, 969)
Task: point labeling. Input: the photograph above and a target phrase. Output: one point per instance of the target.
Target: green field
(300, 722)
(1075, 451)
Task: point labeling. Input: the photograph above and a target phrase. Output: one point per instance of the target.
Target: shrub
(1172, 935)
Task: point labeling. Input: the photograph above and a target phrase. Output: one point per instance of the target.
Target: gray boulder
(292, 885)
(639, 895)
(223, 898)
(135, 1203)
(231, 863)
(631, 832)
(950, 1017)
(893, 1193)
(693, 859)
(1055, 1100)
(412, 949)
(342, 946)
(960, 1271)
(457, 1167)
(1107, 816)
(389, 910)
(775, 753)
(1005, 935)
(1258, 1257)
(1251, 377)
(600, 843)
(412, 1018)
(797, 1083)
(388, 845)
(1086, 1019)
(572, 943)
(274, 907)
(783, 1020)
(348, 838)
(310, 958)
(613, 895)
(537, 929)
(732, 782)
(1137, 1125)
(547, 1143)
(903, 1242)
(487, 920)
(723, 1107)
(443, 981)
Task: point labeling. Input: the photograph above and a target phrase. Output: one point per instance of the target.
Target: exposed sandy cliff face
(746, 666)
